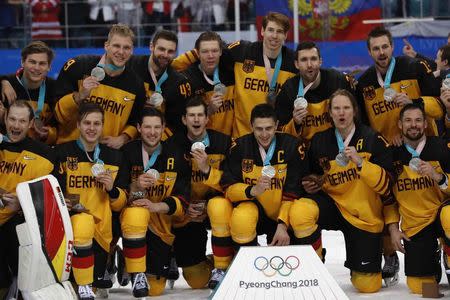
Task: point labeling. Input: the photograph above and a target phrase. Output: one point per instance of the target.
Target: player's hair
(37, 47)
(151, 112)
(306, 45)
(445, 53)
(88, 108)
(196, 100)
(412, 106)
(377, 32)
(278, 18)
(22, 103)
(208, 36)
(122, 30)
(165, 35)
(263, 110)
(345, 93)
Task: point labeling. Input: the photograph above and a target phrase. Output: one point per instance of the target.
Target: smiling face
(380, 49)
(273, 36)
(91, 127)
(163, 52)
(264, 130)
(118, 50)
(412, 124)
(195, 121)
(151, 130)
(35, 67)
(17, 123)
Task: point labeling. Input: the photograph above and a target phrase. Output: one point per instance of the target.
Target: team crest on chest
(72, 163)
(248, 66)
(369, 93)
(324, 162)
(247, 165)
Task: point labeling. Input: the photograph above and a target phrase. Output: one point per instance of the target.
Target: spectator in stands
(244, 12)
(8, 20)
(76, 20)
(45, 24)
(408, 50)
(102, 13)
(209, 14)
(156, 12)
(130, 12)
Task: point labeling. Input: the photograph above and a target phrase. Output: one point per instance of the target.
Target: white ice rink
(334, 242)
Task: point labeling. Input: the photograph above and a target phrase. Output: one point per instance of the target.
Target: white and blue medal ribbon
(389, 93)
(152, 159)
(415, 154)
(271, 96)
(98, 166)
(267, 169)
(41, 98)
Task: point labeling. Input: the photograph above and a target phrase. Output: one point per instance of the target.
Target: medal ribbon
(416, 152)
(302, 91)
(267, 156)
(112, 67)
(387, 81)
(96, 159)
(41, 98)
(161, 80)
(205, 140)
(276, 71)
(5, 138)
(153, 157)
(216, 79)
(341, 143)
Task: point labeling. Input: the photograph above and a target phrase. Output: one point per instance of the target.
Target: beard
(161, 64)
(415, 137)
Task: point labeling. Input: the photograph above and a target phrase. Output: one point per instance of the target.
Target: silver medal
(97, 169)
(268, 171)
(155, 100)
(220, 89)
(198, 145)
(271, 96)
(414, 164)
(446, 84)
(341, 159)
(389, 94)
(300, 102)
(98, 73)
(154, 173)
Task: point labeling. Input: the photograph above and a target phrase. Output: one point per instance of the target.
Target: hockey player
(351, 163)
(32, 83)
(88, 173)
(106, 81)
(159, 185)
(213, 77)
(206, 150)
(260, 69)
(165, 88)
(302, 103)
(21, 159)
(260, 179)
(422, 165)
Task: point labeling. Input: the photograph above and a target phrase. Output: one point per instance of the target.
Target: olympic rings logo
(276, 264)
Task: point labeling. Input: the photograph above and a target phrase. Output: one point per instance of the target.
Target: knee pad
(303, 216)
(445, 220)
(415, 283)
(134, 222)
(157, 285)
(219, 213)
(366, 282)
(244, 219)
(197, 276)
(83, 226)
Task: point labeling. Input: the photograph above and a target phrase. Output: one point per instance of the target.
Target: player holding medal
(104, 80)
(393, 82)
(90, 169)
(302, 103)
(260, 179)
(421, 190)
(159, 184)
(355, 191)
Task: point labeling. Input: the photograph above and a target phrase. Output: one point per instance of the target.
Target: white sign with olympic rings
(290, 272)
